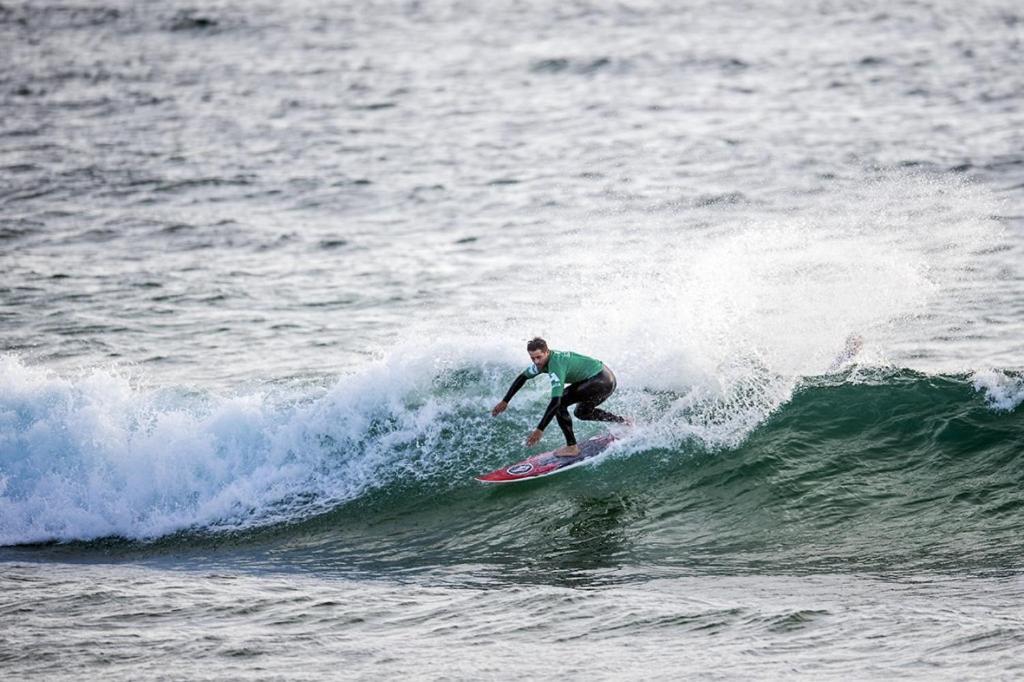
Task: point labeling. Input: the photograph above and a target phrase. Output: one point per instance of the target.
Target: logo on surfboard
(519, 469)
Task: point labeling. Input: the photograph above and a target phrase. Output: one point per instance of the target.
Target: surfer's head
(538, 350)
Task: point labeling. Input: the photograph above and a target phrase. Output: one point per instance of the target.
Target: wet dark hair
(537, 343)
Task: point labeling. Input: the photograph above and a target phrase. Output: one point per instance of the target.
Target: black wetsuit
(588, 394)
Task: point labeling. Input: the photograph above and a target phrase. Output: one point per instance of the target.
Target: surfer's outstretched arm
(513, 389)
(550, 413)
(538, 432)
(556, 408)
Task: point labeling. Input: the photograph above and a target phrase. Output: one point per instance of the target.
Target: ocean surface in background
(265, 268)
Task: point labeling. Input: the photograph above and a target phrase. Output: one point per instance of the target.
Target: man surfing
(575, 379)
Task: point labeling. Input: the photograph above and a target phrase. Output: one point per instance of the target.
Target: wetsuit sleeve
(514, 388)
(549, 413)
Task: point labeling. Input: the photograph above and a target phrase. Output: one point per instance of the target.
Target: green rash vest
(565, 367)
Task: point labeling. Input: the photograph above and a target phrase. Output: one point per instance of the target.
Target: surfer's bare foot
(568, 451)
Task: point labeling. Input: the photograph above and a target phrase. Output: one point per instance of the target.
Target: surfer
(575, 380)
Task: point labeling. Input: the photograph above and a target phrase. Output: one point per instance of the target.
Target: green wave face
(902, 473)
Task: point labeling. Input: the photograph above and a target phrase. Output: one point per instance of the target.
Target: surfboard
(547, 463)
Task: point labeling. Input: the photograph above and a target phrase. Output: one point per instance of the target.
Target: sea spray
(722, 310)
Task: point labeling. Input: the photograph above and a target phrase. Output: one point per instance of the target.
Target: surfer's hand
(534, 437)
(499, 408)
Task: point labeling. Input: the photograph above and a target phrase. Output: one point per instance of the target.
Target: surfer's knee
(583, 411)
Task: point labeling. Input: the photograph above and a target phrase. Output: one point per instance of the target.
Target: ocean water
(265, 268)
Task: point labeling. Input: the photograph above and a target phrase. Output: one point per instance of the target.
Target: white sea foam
(97, 455)
(1003, 391)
